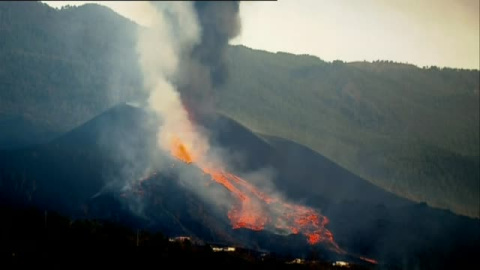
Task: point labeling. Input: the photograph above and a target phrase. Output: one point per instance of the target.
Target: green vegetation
(413, 131)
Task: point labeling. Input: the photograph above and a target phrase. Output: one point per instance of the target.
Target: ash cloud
(205, 67)
(182, 60)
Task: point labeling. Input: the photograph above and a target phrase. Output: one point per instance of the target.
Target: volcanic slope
(109, 168)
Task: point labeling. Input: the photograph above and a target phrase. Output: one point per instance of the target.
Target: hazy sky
(421, 32)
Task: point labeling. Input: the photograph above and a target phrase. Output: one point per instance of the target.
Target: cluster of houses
(226, 248)
(180, 239)
(222, 249)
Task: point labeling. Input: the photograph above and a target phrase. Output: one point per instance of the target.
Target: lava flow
(181, 152)
(255, 210)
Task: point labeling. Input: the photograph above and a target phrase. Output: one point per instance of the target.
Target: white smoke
(161, 48)
(165, 50)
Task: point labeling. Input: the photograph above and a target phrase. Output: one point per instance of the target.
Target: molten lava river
(254, 210)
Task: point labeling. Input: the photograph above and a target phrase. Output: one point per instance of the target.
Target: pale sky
(420, 32)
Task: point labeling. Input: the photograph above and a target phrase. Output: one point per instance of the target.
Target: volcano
(87, 174)
(255, 209)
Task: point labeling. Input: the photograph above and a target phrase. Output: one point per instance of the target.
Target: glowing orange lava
(253, 209)
(180, 151)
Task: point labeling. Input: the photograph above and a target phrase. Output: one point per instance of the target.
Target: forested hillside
(60, 68)
(410, 130)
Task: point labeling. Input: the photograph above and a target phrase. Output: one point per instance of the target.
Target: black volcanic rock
(299, 172)
(93, 172)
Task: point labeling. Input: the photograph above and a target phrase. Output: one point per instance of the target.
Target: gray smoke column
(182, 56)
(205, 68)
(182, 59)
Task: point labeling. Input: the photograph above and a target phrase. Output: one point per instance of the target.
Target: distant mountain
(61, 67)
(411, 131)
(87, 173)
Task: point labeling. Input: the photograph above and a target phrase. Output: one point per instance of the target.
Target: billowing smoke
(161, 48)
(205, 67)
(181, 57)
(185, 48)
(182, 60)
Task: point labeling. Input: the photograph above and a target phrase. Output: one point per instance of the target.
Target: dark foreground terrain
(35, 238)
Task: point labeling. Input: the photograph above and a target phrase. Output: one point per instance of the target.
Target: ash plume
(175, 67)
(182, 59)
(205, 67)
(161, 48)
